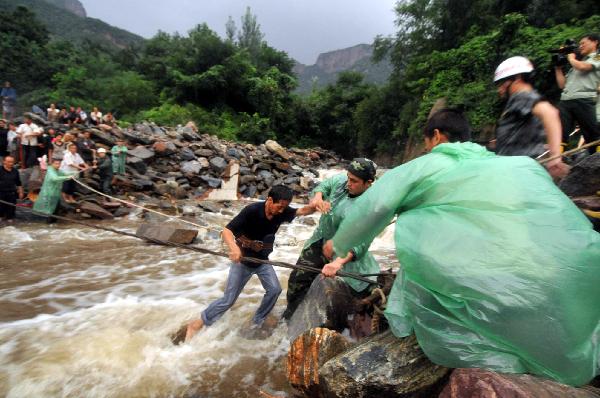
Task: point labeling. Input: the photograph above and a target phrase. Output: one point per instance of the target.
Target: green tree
(250, 37)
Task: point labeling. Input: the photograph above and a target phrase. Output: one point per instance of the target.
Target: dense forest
(240, 88)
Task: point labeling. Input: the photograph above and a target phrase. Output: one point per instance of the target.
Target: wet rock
(188, 133)
(102, 137)
(244, 170)
(250, 192)
(308, 353)
(382, 366)
(137, 164)
(207, 153)
(275, 148)
(480, 383)
(187, 154)
(169, 232)
(142, 152)
(245, 179)
(212, 182)
(218, 164)
(94, 210)
(584, 177)
(209, 206)
(122, 211)
(326, 304)
(164, 148)
(267, 177)
(181, 193)
(137, 138)
(191, 167)
(236, 153)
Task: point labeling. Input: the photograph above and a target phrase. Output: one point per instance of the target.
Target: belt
(254, 245)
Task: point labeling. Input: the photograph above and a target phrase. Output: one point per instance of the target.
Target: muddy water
(89, 313)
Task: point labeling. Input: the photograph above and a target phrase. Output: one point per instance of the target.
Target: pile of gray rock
(183, 164)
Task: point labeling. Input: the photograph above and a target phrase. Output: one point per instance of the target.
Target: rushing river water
(85, 312)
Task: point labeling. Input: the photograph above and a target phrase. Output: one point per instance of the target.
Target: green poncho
(51, 188)
(499, 269)
(119, 157)
(334, 191)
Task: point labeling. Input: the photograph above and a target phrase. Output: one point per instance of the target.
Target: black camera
(559, 57)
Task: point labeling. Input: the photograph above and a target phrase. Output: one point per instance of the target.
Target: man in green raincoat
(119, 156)
(499, 269)
(51, 188)
(334, 197)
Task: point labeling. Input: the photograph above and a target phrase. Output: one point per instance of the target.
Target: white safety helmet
(511, 67)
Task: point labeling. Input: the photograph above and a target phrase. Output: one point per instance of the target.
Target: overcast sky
(303, 28)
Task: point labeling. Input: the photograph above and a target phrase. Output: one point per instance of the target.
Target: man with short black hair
(333, 197)
(10, 187)
(252, 234)
(580, 90)
(499, 269)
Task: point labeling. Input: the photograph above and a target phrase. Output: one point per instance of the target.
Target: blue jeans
(239, 274)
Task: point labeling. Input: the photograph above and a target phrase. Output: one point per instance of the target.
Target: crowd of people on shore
(56, 154)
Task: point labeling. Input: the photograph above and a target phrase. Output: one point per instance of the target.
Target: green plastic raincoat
(119, 156)
(499, 269)
(50, 194)
(334, 191)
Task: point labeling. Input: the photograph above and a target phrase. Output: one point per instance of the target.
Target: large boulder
(187, 154)
(218, 164)
(191, 167)
(326, 304)
(102, 137)
(308, 353)
(142, 152)
(137, 164)
(167, 232)
(95, 211)
(382, 366)
(277, 149)
(584, 177)
(480, 383)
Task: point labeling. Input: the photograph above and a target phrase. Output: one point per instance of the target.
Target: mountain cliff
(73, 6)
(74, 26)
(329, 64)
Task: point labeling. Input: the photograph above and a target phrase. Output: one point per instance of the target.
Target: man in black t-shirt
(251, 234)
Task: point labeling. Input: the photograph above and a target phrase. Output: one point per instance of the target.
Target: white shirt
(27, 132)
(96, 116)
(70, 162)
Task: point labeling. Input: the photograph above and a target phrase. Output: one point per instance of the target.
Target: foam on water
(101, 308)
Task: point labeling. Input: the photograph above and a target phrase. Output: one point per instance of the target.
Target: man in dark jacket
(105, 171)
(10, 187)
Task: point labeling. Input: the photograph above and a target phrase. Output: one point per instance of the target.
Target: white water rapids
(88, 313)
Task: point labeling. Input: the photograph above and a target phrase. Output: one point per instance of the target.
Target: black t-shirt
(9, 180)
(252, 222)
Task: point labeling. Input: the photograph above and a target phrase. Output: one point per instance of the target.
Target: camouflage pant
(300, 281)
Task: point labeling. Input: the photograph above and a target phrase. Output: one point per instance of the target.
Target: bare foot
(193, 328)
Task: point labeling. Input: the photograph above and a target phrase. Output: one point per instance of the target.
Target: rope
(144, 208)
(197, 249)
(572, 151)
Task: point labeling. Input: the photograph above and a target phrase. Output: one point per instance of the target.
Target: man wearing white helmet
(529, 125)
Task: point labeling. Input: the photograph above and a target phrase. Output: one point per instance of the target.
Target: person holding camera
(529, 125)
(580, 85)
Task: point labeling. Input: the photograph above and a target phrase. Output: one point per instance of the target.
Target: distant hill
(66, 19)
(330, 64)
